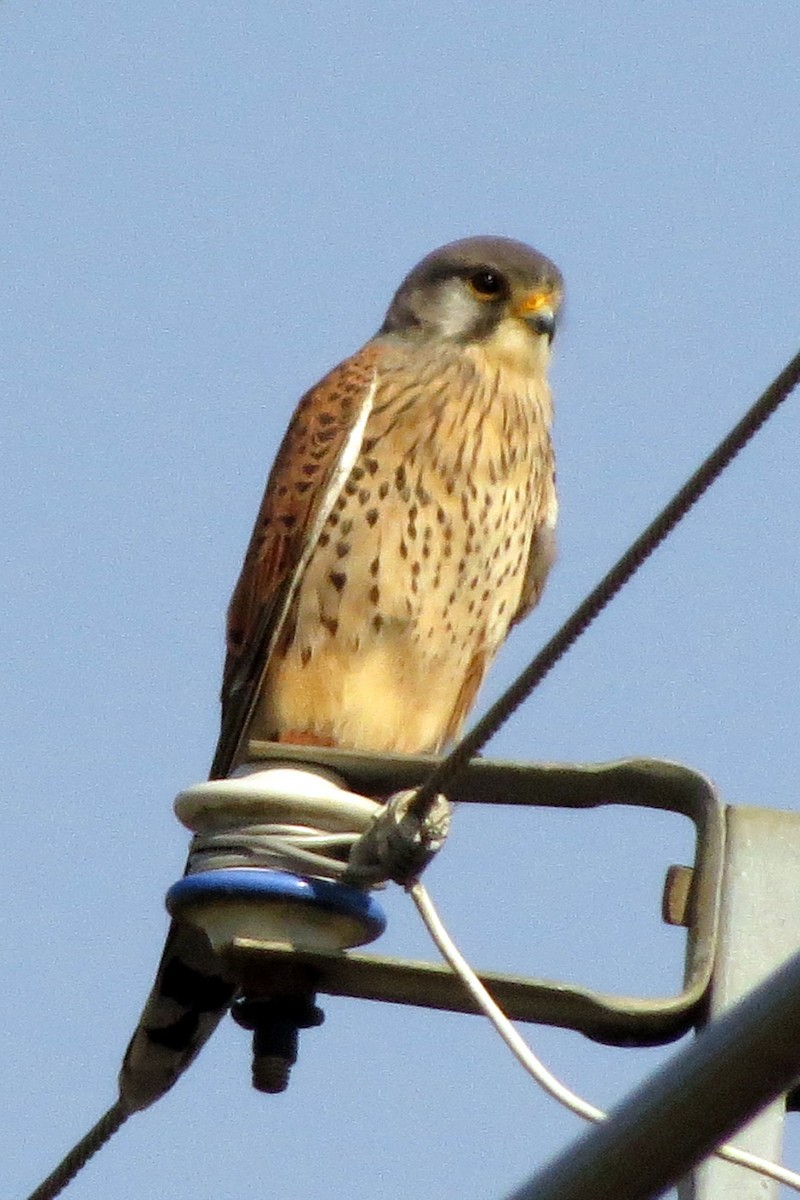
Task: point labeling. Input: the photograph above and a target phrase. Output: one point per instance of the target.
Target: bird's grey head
(465, 290)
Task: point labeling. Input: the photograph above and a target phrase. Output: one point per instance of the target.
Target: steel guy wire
(608, 587)
(81, 1152)
(518, 692)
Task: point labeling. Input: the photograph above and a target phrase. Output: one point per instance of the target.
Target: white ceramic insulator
(274, 795)
(264, 796)
(276, 925)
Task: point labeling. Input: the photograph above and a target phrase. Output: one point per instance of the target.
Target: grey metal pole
(736, 1066)
(759, 929)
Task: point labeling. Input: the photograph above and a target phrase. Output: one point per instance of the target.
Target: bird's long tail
(189, 997)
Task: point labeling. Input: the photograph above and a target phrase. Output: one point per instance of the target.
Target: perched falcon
(407, 524)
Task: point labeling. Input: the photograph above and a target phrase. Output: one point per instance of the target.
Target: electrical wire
(280, 846)
(490, 1008)
(533, 1064)
(499, 712)
(80, 1154)
(608, 587)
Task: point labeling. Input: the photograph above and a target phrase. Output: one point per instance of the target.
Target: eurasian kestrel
(408, 520)
(407, 524)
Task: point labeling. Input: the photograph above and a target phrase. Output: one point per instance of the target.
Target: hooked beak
(537, 310)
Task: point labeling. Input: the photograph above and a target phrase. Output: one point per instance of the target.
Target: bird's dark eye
(487, 284)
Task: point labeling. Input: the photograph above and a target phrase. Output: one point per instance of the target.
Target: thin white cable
(516, 1044)
(281, 846)
(763, 1166)
(533, 1065)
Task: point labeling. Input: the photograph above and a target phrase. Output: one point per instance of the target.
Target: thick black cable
(608, 587)
(80, 1154)
(521, 688)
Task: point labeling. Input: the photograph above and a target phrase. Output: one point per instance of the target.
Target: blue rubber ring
(265, 885)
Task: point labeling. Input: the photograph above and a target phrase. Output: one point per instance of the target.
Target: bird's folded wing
(311, 468)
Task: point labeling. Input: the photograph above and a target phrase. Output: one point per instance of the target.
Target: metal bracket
(612, 1019)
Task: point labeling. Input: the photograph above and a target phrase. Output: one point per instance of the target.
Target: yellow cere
(534, 301)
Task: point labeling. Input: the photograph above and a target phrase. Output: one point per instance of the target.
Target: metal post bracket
(612, 1019)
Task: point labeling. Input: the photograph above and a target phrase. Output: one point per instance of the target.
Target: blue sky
(206, 207)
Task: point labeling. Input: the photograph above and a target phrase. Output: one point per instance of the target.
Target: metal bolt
(275, 1022)
(675, 905)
